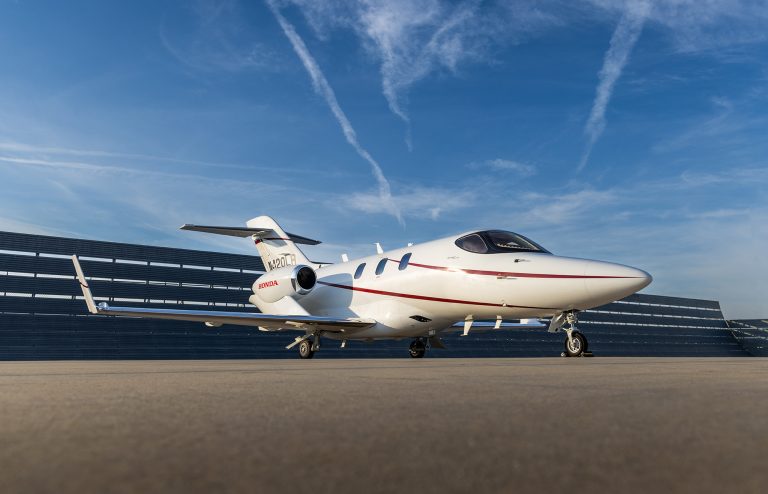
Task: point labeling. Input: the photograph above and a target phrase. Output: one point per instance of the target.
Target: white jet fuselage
(442, 283)
(415, 292)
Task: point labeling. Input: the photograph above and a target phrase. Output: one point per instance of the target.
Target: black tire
(417, 349)
(579, 345)
(305, 349)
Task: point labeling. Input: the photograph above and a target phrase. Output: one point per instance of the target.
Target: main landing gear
(418, 348)
(576, 344)
(305, 349)
(308, 345)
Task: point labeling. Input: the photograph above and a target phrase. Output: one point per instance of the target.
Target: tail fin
(276, 247)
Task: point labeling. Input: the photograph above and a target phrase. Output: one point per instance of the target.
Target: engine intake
(304, 279)
(289, 281)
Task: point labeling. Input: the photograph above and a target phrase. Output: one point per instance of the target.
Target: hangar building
(43, 316)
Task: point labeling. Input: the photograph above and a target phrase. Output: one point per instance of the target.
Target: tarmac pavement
(427, 425)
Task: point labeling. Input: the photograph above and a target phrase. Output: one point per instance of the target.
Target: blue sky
(625, 131)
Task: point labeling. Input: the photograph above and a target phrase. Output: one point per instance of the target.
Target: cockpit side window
(501, 241)
(473, 243)
(498, 241)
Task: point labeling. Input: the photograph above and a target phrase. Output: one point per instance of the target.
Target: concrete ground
(431, 425)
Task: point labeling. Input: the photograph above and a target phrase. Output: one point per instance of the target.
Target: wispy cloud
(216, 40)
(411, 39)
(731, 125)
(505, 165)
(324, 89)
(702, 25)
(123, 203)
(418, 201)
(13, 225)
(403, 62)
(29, 149)
(94, 171)
(624, 38)
(566, 207)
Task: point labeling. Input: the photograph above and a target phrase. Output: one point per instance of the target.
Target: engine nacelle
(289, 281)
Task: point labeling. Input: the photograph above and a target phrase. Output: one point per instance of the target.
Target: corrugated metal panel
(656, 309)
(752, 335)
(110, 289)
(613, 328)
(94, 248)
(649, 319)
(38, 305)
(676, 301)
(97, 269)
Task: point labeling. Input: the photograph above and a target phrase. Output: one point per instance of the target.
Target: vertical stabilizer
(276, 248)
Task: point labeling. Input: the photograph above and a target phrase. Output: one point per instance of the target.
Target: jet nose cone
(643, 279)
(606, 282)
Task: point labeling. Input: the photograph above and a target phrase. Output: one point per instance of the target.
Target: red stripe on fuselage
(425, 297)
(516, 275)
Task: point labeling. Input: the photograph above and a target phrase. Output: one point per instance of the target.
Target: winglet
(84, 285)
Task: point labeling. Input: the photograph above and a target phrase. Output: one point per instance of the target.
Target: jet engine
(288, 281)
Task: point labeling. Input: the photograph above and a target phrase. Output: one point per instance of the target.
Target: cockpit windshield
(497, 241)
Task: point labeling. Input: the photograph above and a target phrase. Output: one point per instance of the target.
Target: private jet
(418, 292)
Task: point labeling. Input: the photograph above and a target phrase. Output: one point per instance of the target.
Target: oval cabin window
(380, 267)
(359, 271)
(404, 261)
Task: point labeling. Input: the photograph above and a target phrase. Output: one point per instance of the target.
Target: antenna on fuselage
(344, 258)
(379, 250)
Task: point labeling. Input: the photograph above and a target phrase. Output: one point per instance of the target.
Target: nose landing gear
(576, 344)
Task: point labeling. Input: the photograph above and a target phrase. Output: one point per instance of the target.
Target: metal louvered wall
(658, 325)
(43, 316)
(752, 335)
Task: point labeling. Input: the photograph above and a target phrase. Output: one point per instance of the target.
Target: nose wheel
(575, 344)
(418, 348)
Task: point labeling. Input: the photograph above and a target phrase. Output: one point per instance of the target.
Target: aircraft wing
(217, 318)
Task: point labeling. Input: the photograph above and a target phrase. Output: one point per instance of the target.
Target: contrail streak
(324, 89)
(624, 38)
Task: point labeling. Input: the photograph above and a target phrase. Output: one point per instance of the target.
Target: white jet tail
(276, 247)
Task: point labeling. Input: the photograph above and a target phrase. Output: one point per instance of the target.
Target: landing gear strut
(576, 344)
(418, 348)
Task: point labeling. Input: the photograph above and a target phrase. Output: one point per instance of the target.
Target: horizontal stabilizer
(239, 231)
